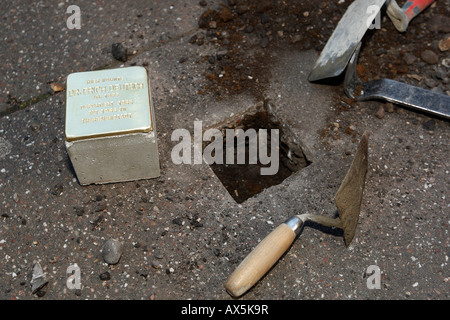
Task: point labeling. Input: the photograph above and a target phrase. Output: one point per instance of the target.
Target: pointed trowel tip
(349, 196)
(321, 72)
(312, 77)
(317, 74)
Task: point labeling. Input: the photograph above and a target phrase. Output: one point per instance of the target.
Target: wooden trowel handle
(263, 257)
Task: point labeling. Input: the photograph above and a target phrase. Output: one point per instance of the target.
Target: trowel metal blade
(342, 43)
(393, 91)
(349, 196)
(407, 95)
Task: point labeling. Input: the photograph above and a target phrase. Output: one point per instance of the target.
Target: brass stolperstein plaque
(107, 102)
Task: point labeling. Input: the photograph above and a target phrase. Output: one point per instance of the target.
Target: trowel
(348, 201)
(400, 93)
(343, 41)
(351, 29)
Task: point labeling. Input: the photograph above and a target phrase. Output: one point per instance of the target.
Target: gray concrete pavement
(183, 233)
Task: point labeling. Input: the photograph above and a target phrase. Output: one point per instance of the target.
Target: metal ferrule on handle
(296, 223)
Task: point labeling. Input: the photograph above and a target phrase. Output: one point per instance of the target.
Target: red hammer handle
(414, 7)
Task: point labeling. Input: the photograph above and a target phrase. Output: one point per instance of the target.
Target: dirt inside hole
(245, 180)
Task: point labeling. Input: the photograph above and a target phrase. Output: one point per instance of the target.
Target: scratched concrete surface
(183, 233)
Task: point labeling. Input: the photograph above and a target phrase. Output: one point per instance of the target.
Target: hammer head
(349, 195)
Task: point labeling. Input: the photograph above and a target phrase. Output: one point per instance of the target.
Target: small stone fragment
(40, 293)
(429, 57)
(380, 112)
(389, 107)
(119, 52)
(409, 58)
(158, 254)
(296, 38)
(57, 87)
(112, 251)
(105, 276)
(38, 280)
(196, 224)
(207, 17)
(177, 221)
(241, 9)
(170, 270)
(213, 25)
(79, 211)
(35, 127)
(225, 14)
(414, 76)
(444, 44)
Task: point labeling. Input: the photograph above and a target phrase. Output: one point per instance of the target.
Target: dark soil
(245, 33)
(244, 181)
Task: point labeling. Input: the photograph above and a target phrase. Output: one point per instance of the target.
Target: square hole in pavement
(245, 180)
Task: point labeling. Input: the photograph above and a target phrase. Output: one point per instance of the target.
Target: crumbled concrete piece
(380, 112)
(112, 251)
(38, 280)
(444, 44)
